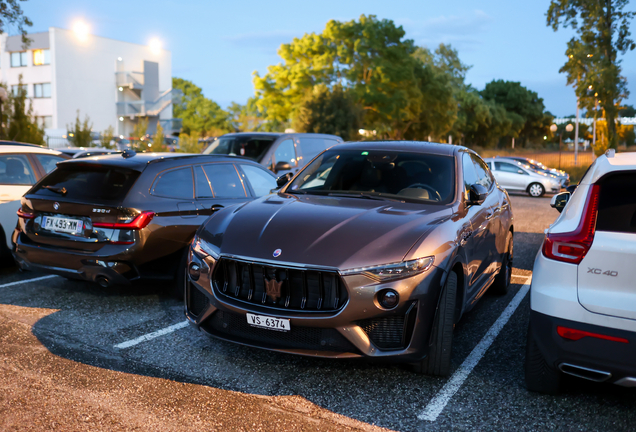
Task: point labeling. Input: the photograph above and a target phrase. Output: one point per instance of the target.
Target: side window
(224, 180)
(310, 147)
(262, 182)
(201, 183)
(483, 174)
(509, 168)
(48, 161)
(470, 176)
(175, 184)
(286, 152)
(15, 170)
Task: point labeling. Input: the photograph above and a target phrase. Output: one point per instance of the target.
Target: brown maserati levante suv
(118, 218)
(372, 250)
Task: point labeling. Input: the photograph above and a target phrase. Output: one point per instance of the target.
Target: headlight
(399, 270)
(204, 248)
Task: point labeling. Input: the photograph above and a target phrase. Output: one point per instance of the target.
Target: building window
(42, 90)
(16, 88)
(45, 122)
(41, 57)
(18, 59)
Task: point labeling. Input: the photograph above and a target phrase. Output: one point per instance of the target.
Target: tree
(189, 144)
(370, 58)
(524, 108)
(199, 114)
(593, 66)
(329, 111)
(247, 118)
(107, 137)
(11, 13)
(80, 134)
(158, 141)
(17, 116)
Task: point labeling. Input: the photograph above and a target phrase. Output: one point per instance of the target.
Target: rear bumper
(109, 264)
(591, 358)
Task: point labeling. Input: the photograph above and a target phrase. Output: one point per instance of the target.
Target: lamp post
(3, 98)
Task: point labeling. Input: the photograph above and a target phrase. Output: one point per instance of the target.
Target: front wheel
(438, 361)
(536, 190)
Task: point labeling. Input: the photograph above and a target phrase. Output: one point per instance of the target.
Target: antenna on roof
(128, 154)
(610, 153)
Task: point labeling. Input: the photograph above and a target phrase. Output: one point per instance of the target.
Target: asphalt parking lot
(78, 356)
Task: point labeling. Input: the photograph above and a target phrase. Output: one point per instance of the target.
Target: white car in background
(583, 293)
(21, 166)
(512, 175)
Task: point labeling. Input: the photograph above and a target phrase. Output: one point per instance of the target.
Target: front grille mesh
(197, 301)
(235, 327)
(392, 332)
(279, 287)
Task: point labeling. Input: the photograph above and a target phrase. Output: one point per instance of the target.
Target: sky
(219, 44)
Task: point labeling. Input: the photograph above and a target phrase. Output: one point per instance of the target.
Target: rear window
(617, 203)
(91, 184)
(251, 147)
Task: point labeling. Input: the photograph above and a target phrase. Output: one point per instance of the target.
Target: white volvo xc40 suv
(583, 294)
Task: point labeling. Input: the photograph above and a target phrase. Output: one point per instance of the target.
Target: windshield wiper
(365, 196)
(61, 191)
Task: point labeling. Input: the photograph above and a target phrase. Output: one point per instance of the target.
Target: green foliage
(11, 14)
(79, 134)
(189, 144)
(524, 109)
(18, 122)
(369, 58)
(602, 29)
(107, 136)
(200, 115)
(158, 141)
(247, 118)
(328, 111)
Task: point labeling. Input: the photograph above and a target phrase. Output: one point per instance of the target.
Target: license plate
(267, 322)
(57, 224)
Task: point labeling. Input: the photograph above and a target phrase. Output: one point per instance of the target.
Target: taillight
(25, 215)
(572, 247)
(141, 221)
(574, 334)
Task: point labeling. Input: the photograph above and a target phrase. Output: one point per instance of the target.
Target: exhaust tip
(585, 373)
(102, 281)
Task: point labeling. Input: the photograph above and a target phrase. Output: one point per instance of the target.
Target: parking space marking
(441, 399)
(7, 285)
(155, 334)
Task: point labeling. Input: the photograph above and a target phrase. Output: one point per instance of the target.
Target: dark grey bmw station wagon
(372, 250)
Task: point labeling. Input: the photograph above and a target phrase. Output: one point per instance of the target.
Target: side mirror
(284, 179)
(282, 166)
(560, 200)
(478, 194)
(571, 188)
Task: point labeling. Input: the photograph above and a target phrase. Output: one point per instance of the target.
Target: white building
(113, 82)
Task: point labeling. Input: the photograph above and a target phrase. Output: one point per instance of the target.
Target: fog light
(388, 299)
(194, 271)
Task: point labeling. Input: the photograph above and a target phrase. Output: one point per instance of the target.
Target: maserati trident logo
(273, 288)
(277, 253)
(56, 206)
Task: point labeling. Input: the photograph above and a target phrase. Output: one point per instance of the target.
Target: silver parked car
(512, 175)
(538, 166)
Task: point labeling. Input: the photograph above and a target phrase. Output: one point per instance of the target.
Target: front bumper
(360, 328)
(591, 358)
(110, 265)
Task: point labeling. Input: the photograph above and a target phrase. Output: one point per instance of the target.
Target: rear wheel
(438, 361)
(502, 281)
(540, 376)
(178, 287)
(536, 190)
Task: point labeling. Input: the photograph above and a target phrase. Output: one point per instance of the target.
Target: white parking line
(152, 335)
(438, 403)
(7, 285)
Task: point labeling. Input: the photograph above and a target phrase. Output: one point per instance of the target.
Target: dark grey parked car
(372, 250)
(279, 152)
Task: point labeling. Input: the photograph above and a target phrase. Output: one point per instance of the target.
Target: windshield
(248, 146)
(379, 173)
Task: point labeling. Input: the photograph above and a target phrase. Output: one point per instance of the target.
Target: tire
(502, 280)
(540, 376)
(179, 285)
(438, 361)
(536, 190)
